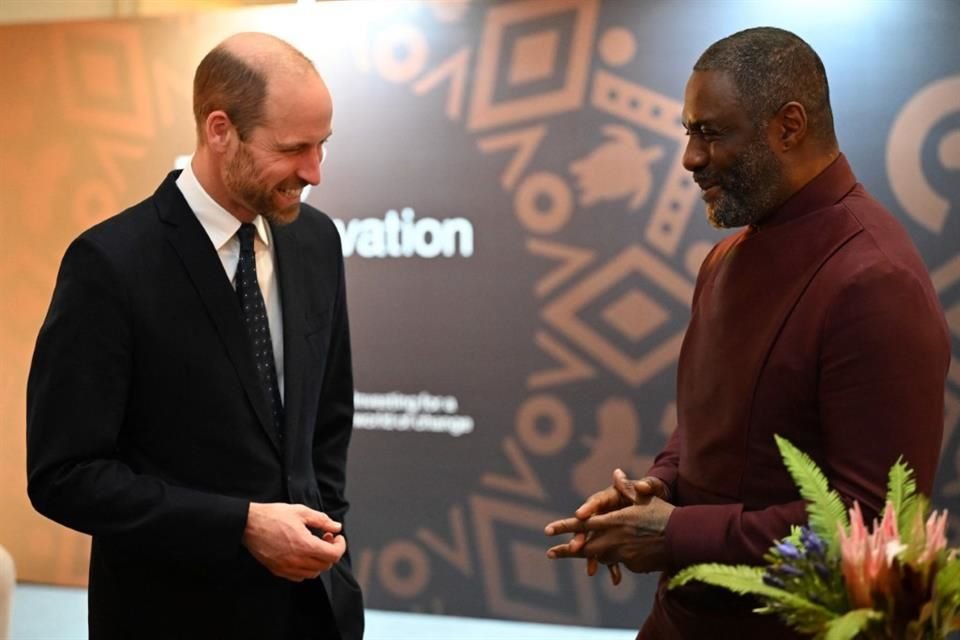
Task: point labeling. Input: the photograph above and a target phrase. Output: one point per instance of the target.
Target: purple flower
(789, 551)
(813, 544)
(789, 570)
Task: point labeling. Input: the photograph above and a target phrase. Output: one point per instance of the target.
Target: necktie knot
(245, 234)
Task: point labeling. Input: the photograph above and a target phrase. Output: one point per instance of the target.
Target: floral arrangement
(834, 579)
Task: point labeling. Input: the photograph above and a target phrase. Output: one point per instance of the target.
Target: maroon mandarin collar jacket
(821, 325)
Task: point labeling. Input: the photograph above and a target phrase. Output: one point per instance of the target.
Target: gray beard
(749, 190)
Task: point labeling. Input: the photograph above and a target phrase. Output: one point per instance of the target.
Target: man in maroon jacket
(817, 321)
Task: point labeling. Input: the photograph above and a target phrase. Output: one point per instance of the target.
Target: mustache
(706, 180)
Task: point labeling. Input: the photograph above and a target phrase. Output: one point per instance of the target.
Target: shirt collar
(219, 223)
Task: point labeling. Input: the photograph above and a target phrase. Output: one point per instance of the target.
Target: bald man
(190, 400)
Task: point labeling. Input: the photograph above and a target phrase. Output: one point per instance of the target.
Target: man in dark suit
(817, 322)
(190, 400)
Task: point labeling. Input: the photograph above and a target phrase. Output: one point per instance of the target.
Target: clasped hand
(624, 523)
(279, 536)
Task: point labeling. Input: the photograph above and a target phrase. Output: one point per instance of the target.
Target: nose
(695, 156)
(309, 169)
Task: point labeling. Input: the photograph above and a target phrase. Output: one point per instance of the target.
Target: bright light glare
(812, 12)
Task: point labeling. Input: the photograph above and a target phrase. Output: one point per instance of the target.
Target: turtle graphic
(616, 169)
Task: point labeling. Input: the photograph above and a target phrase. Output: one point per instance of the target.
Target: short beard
(750, 189)
(239, 176)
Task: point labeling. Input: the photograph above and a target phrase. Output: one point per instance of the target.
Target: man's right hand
(279, 536)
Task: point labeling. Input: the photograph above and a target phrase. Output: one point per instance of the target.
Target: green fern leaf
(902, 492)
(824, 509)
(947, 588)
(850, 624)
(913, 531)
(748, 576)
(746, 580)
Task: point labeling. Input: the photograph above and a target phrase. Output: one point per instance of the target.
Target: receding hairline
(267, 54)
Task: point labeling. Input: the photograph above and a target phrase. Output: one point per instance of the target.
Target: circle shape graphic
(617, 46)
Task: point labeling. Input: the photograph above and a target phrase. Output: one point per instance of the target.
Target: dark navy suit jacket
(148, 430)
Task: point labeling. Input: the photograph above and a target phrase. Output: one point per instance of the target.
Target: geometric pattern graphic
(643, 107)
(101, 78)
(563, 313)
(554, 127)
(905, 167)
(635, 315)
(946, 281)
(531, 58)
(505, 576)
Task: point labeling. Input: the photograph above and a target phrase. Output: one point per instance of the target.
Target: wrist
(254, 515)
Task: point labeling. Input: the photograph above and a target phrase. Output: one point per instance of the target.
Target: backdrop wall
(522, 243)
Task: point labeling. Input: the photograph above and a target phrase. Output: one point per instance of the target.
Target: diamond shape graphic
(563, 312)
(102, 78)
(534, 57)
(494, 520)
(485, 110)
(635, 315)
(533, 569)
(100, 75)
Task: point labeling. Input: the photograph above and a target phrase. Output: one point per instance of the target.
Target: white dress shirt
(221, 226)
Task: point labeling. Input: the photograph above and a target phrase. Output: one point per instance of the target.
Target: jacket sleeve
(884, 353)
(77, 396)
(666, 465)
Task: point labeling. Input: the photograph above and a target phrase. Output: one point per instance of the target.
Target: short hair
(770, 67)
(226, 82)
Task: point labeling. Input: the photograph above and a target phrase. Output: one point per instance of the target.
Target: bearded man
(190, 400)
(817, 321)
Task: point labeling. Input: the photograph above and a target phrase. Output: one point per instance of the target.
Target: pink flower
(936, 538)
(866, 558)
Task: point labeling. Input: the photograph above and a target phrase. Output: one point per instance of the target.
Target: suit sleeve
(335, 414)
(77, 395)
(883, 358)
(666, 465)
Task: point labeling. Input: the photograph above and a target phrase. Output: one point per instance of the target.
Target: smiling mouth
(710, 192)
(292, 193)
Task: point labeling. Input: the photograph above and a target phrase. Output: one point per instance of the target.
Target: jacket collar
(826, 189)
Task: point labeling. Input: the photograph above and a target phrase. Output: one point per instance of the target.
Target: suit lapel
(205, 270)
(289, 268)
(293, 295)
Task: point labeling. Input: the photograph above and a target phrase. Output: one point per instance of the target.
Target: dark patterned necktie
(255, 317)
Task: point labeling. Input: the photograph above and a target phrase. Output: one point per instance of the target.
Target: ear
(789, 126)
(219, 131)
